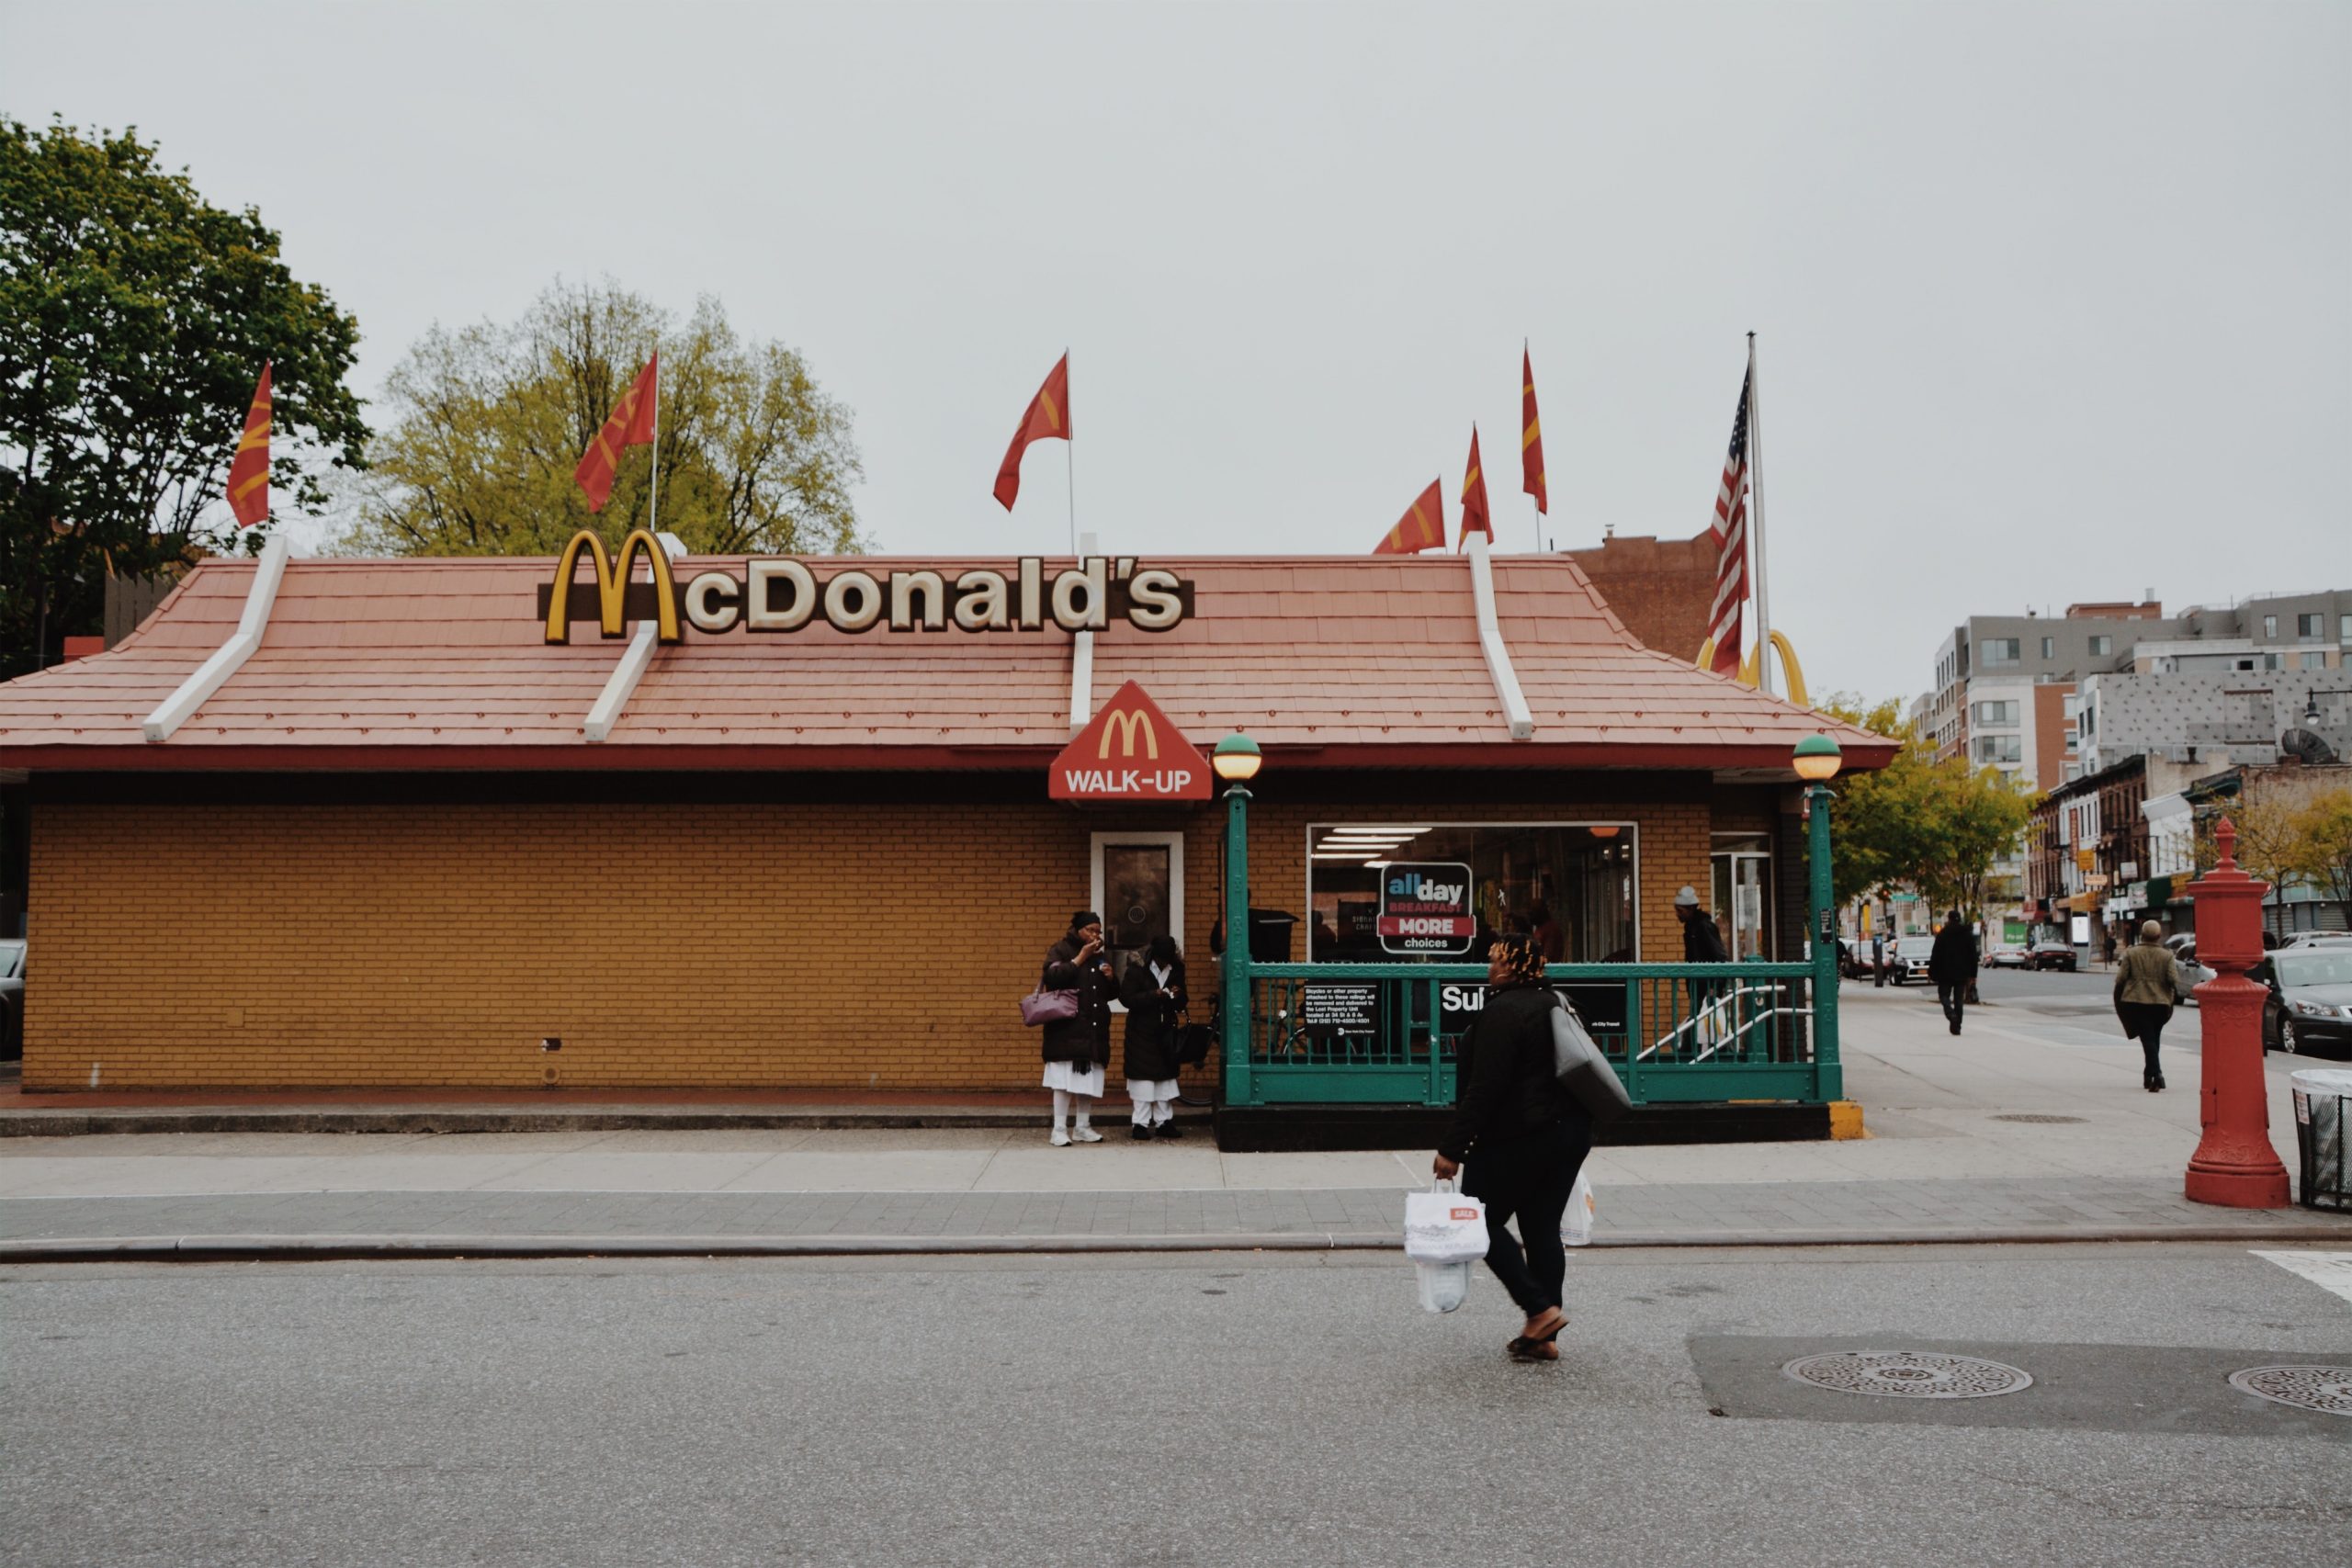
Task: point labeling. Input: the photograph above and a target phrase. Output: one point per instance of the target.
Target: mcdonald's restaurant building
(810, 823)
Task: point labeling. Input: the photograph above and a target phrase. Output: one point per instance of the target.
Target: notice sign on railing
(1425, 907)
(1328, 1008)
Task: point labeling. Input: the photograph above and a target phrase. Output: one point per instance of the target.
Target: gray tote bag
(1583, 1071)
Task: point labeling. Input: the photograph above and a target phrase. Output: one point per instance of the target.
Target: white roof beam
(636, 659)
(230, 656)
(1490, 641)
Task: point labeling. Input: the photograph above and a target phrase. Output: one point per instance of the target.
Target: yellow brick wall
(822, 946)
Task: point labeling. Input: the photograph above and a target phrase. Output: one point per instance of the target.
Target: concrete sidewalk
(2031, 1126)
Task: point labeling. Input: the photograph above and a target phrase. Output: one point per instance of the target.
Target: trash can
(1270, 935)
(2323, 1129)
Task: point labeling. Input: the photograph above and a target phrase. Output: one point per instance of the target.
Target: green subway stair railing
(1676, 1032)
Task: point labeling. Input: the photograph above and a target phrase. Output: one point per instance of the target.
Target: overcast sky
(2053, 300)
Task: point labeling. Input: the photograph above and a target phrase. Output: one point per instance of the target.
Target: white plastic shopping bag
(1576, 1220)
(1444, 1226)
(1444, 1286)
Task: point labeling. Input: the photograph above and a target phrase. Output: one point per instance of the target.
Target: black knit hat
(1083, 918)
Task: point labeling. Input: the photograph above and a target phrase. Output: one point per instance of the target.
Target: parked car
(2186, 967)
(2309, 1004)
(1910, 959)
(2051, 952)
(2005, 955)
(12, 999)
(2318, 939)
(1853, 958)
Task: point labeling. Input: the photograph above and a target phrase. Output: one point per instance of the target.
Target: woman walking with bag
(2147, 984)
(1521, 1138)
(1153, 994)
(1077, 1049)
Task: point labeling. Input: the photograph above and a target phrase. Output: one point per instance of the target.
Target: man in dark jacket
(1522, 1137)
(1702, 942)
(1952, 965)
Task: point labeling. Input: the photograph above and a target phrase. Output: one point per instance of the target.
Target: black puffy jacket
(1504, 1072)
(1085, 1039)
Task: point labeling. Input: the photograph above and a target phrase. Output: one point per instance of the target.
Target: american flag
(1731, 542)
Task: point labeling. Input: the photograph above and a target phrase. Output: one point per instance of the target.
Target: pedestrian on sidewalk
(2147, 986)
(1703, 943)
(1153, 993)
(1521, 1138)
(1952, 965)
(1077, 1049)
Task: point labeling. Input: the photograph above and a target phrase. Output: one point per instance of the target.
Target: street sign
(1425, 907)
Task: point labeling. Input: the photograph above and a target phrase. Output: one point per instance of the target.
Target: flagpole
(653, 498)
(1756, 523)
(1069, 457)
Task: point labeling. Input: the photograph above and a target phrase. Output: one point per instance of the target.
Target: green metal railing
(1387, 1033)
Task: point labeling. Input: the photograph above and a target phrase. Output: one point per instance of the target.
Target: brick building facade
(384, 852)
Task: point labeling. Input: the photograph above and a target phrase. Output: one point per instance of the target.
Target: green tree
(134, 319)
(2325, 825)
(489, 422)
(1936, 826)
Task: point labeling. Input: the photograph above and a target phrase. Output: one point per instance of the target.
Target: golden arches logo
(611, 585)
(1751, 668)
(1125, 723)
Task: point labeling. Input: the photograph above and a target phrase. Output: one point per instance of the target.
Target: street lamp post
(1817, 760)
(1236, 760)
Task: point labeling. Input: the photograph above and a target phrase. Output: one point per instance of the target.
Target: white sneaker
(1060, 1139)
(1085, 1135)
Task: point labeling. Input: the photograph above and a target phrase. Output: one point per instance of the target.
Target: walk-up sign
(1130, 752)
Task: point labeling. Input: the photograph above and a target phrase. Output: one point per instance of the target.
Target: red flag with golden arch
(1047, 419)
(1531, 435)
(249, 469)
(1423, 528)
(1474, 497)
(631, 424)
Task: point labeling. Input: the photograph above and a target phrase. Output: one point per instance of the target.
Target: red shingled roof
(1341, 660)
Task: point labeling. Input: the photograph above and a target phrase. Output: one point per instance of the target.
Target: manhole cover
(1908, 1374)
(2324, 1388)
(2038, 1118)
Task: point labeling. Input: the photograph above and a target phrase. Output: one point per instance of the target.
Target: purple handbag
(1048, 1007)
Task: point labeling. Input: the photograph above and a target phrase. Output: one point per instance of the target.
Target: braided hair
(1520, 958)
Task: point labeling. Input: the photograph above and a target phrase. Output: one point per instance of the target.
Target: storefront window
(1743, 901)
(1436, 893)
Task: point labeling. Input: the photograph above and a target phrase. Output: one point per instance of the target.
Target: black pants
(1529, 1175)
(1955, 997)
(2144, 1021)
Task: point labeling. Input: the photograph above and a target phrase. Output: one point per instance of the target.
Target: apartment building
(2005, 688)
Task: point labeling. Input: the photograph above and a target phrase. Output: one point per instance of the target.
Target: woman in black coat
(1153, 993)
(1076, 1049)
(1521, 1138)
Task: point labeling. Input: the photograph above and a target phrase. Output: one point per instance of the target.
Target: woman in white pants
(1152, 990)
(1077, 1049)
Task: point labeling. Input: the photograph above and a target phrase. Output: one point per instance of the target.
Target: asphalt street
(1207, 1409)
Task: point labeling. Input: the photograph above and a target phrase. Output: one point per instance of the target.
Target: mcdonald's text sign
(1130, 752)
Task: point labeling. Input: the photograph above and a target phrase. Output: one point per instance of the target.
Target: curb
(78, 1124)
(302, 1248)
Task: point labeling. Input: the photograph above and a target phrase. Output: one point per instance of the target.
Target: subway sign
(779, 593)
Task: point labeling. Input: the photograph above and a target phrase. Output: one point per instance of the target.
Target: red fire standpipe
(2235, 1164)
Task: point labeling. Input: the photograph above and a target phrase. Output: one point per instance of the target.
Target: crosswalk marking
(2328, 1271)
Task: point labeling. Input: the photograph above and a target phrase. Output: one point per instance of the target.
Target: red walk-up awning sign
(1130, 752)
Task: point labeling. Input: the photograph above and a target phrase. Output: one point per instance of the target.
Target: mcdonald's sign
(613, 610)
(1129, 750)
